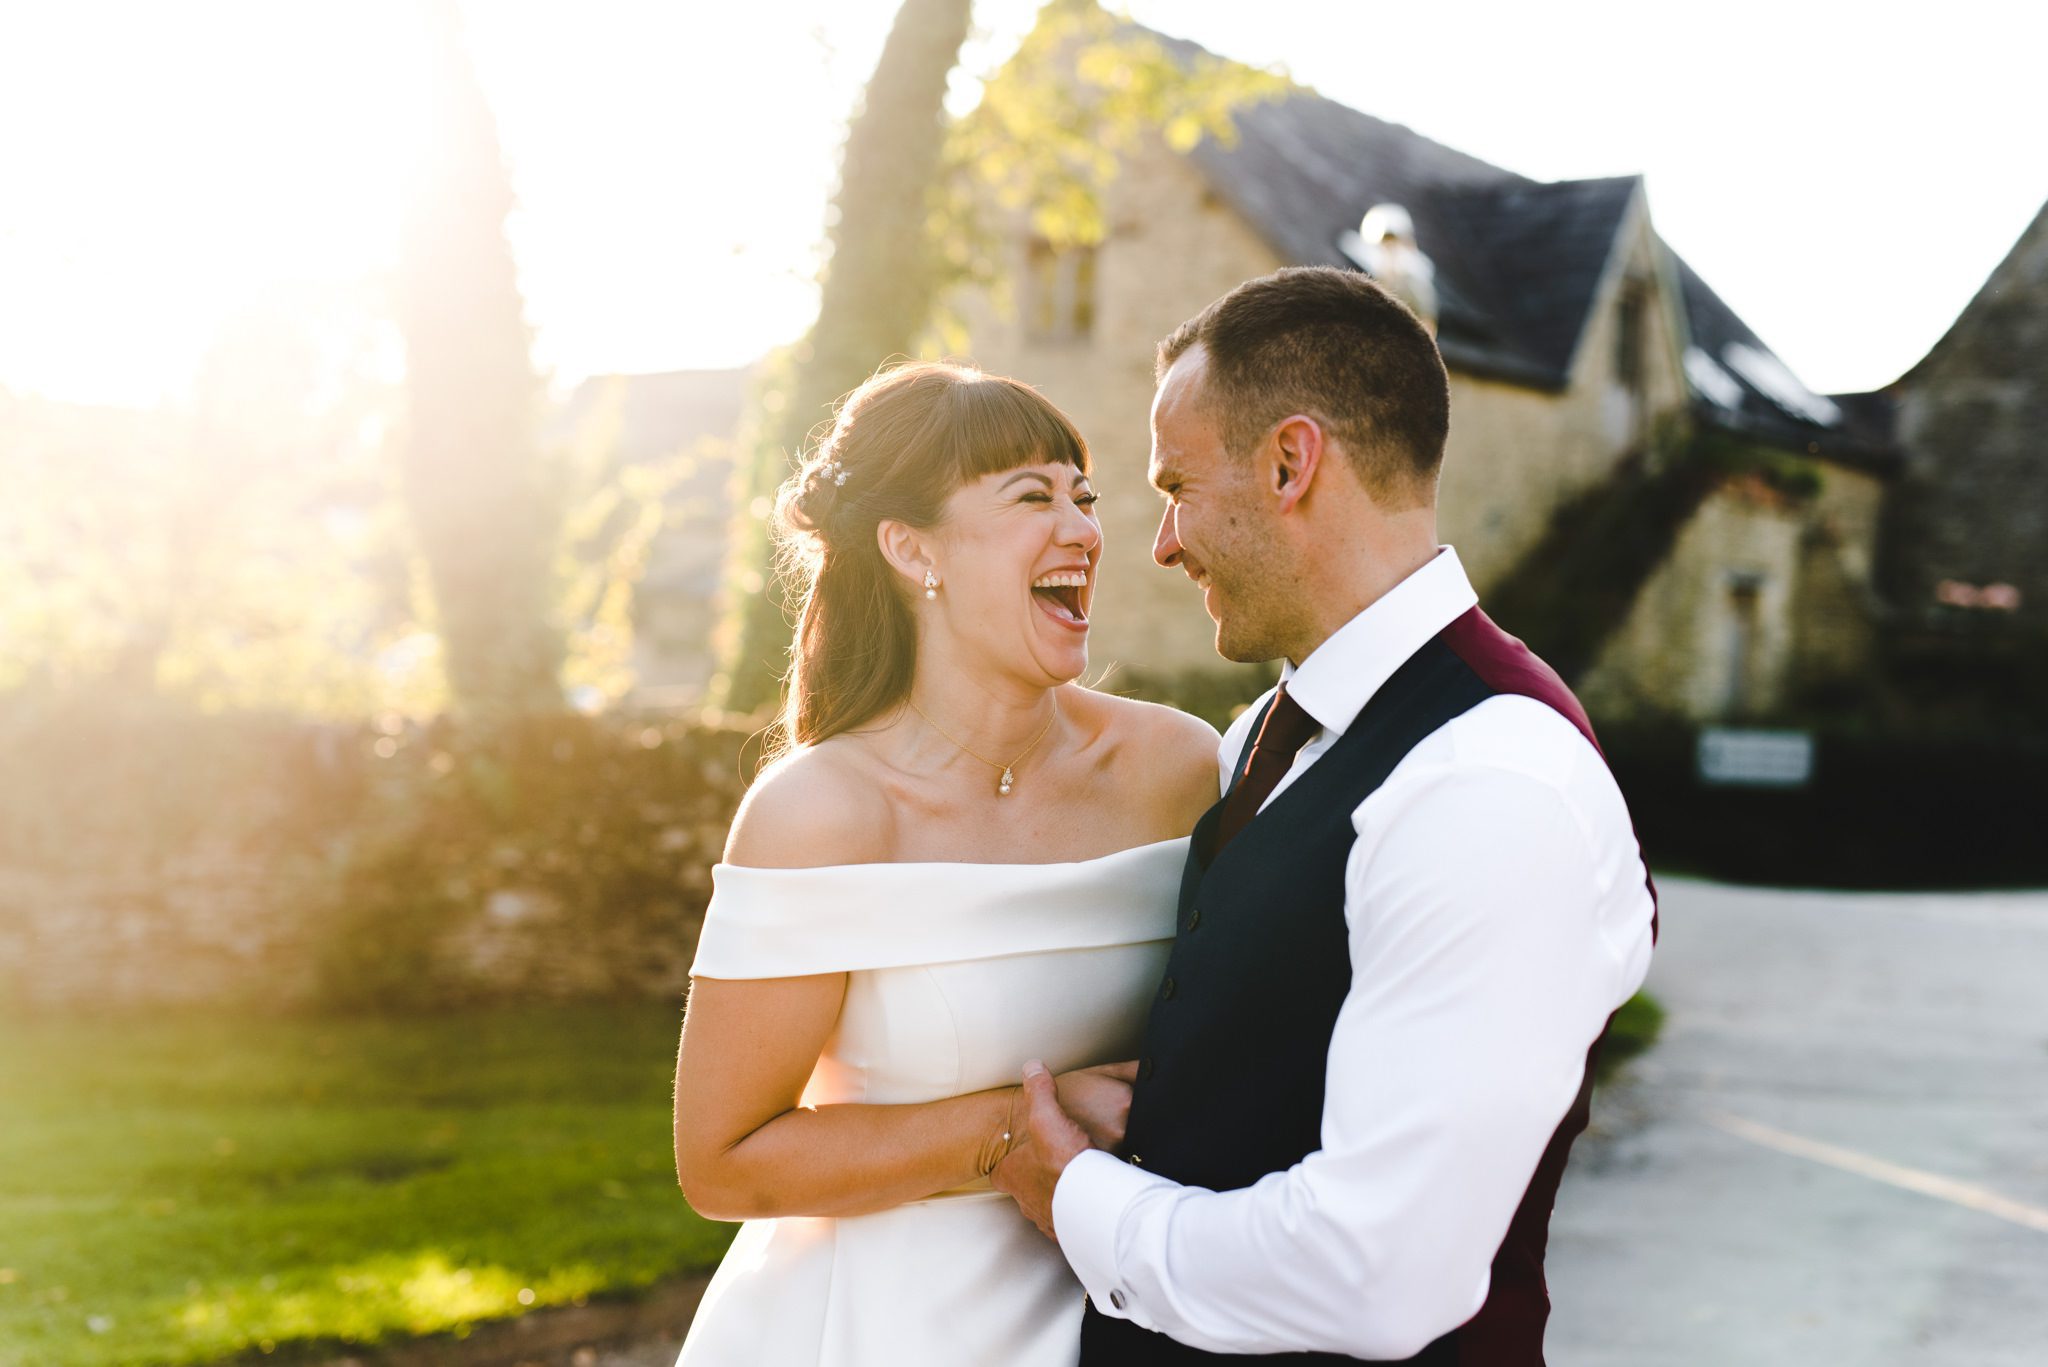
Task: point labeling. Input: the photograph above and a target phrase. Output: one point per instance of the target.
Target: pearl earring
(931, 584)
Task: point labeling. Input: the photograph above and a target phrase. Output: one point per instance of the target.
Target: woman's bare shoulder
(1153, 722)
(815, 806)
(1174, 751)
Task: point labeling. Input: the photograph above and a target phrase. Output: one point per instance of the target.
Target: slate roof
(1871, 415)
(1779, 414)
(1518, 261)
(1533, 255)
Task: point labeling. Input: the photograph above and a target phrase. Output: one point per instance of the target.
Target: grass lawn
(181, 1190)
(1634, 1030)
(184, 1190)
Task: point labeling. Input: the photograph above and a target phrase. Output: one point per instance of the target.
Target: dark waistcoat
(1232, 1070)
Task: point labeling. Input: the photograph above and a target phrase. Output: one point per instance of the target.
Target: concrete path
(1838, 1154)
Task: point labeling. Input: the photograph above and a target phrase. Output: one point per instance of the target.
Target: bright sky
(1844, 176)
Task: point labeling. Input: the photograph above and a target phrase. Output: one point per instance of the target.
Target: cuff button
(1116, 1298)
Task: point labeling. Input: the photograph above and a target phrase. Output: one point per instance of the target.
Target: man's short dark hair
(1334, 345)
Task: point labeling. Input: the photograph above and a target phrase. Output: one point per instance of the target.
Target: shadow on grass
(184, 1191)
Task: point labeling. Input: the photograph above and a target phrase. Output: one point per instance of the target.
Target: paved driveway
(1839, 1152)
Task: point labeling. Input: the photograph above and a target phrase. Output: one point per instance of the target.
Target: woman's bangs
(1006, 425)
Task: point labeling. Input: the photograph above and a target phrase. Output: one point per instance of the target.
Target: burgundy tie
(1286, 729)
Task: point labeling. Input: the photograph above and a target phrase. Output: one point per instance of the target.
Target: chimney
(1384, 247)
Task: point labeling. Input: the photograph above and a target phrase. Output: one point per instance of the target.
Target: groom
(1403, 930)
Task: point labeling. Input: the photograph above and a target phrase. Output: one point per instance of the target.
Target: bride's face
(1016, 558)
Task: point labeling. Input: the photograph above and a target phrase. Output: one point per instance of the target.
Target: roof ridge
(1992, 284)
(1185, 47)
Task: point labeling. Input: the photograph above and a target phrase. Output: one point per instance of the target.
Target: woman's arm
(745, 1148)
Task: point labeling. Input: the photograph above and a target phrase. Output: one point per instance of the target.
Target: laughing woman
(964, 860)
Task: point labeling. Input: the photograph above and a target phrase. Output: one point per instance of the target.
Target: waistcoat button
(1166, 990)
(1194, 918)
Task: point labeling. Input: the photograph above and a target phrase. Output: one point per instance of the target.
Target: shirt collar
(1340, 676)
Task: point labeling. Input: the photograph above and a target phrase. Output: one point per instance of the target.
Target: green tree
(483, 502)
(877, 292)
(1084, 90)
(915, 215)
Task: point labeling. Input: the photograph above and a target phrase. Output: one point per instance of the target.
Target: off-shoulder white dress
(958, 973)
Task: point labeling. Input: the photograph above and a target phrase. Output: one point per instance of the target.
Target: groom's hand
(1049, 1142)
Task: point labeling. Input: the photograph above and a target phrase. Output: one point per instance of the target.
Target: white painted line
(1941, 1188)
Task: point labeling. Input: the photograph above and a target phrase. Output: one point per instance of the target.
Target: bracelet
(998, 1148)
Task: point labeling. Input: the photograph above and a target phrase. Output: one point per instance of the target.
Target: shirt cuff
(1088, 1206)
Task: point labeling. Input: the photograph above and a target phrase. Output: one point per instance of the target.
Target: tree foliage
(1082, 93)
(241, 551)
(311, 533)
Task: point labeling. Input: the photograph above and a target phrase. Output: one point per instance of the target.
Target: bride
(963, 861)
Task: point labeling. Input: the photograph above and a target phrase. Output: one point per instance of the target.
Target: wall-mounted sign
(1749, 758)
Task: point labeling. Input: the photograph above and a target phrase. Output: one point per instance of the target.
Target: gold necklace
(1008, 780)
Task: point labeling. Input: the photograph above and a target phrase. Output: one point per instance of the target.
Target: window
(1631, 339)
(1058, 297)
(1745, 618)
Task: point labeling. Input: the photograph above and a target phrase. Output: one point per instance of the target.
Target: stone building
(1967, 544)
(1635, 482)
(1963, 553)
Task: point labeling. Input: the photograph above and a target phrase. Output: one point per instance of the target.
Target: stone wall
(158, 859)
(1764, 603)
(1838, 610)
(1682, 650)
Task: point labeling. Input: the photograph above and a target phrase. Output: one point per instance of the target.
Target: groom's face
(1214, 526)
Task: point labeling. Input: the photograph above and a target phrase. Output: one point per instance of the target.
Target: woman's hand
(1099, 1100)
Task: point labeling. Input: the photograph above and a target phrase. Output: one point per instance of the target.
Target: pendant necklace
(1008, 780)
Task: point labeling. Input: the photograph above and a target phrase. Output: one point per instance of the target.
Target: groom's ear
(1293, 457)
(905, 550)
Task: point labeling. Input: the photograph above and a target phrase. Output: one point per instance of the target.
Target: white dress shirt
(1497, 915)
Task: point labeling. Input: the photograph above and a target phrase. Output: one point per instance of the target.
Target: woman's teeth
(1060, 593)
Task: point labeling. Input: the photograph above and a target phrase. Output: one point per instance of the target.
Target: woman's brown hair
(899, 447)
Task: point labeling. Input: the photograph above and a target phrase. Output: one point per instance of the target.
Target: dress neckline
(955, 863)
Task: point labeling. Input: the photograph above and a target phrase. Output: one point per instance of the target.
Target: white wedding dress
(958, 973)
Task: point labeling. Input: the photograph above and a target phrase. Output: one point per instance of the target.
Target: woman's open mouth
(1063, 596)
